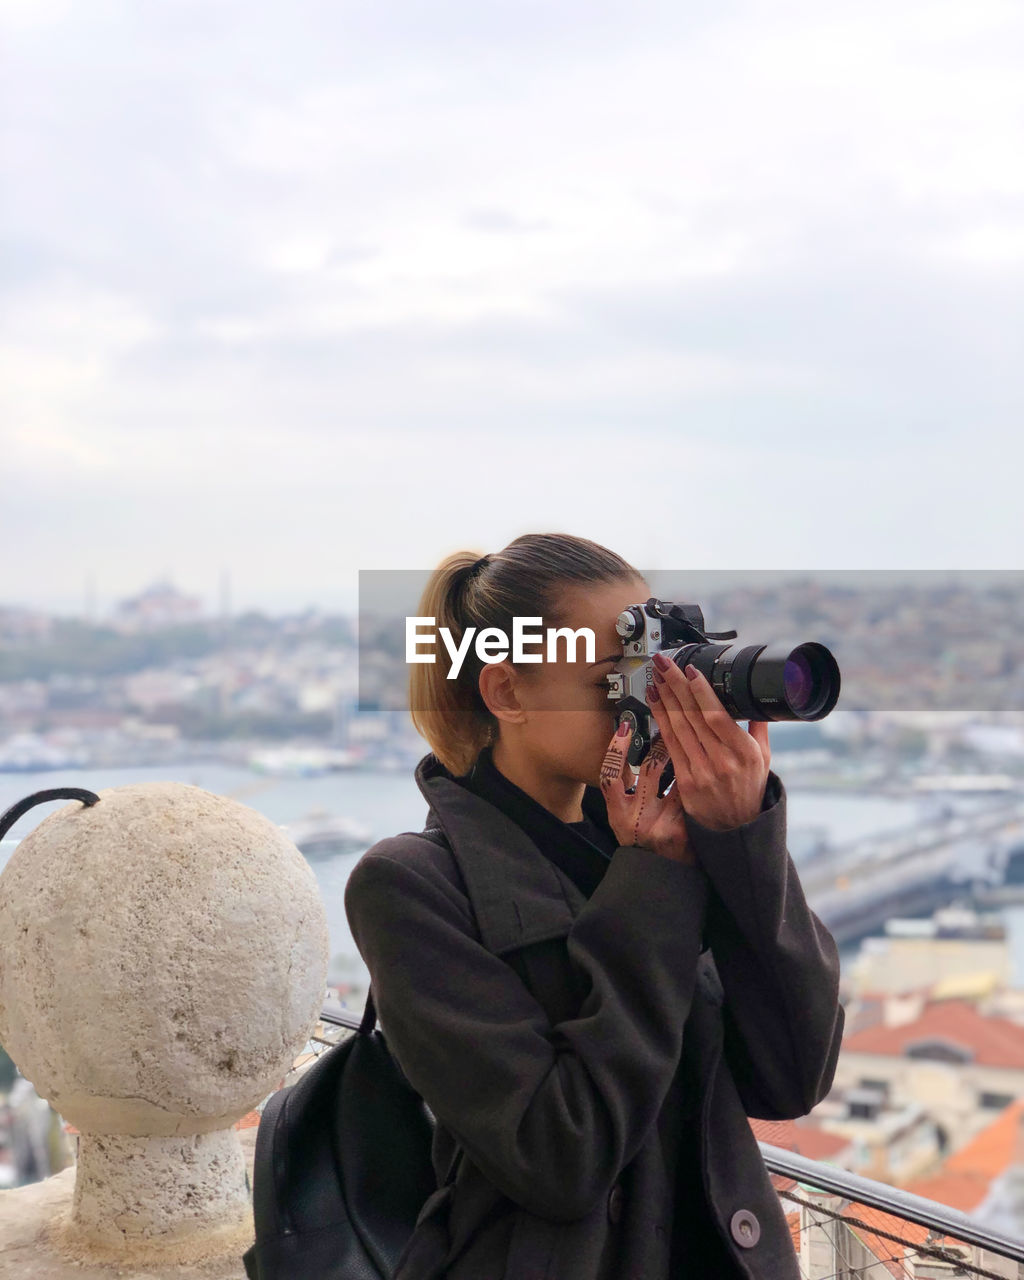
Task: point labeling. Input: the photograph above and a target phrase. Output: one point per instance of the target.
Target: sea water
(387, 802)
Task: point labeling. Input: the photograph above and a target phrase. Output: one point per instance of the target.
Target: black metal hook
(88, 798)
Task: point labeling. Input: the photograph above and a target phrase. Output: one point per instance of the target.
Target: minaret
(225, 599)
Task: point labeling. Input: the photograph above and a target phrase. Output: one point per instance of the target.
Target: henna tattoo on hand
(611, 766)
(655, 761)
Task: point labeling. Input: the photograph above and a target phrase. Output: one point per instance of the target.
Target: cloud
(252, 259)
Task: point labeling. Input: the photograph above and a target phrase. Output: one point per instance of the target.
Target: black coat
(578, 1047)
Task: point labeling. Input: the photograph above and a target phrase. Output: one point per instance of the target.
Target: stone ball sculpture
(163, 958)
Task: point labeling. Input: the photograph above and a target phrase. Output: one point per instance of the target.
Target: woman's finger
(616, 799)
(674, 684)
(715, 716)
(612, 766)
(726, 743)
(651, 770)
(759, 732)
(681, 736)
(685, 783)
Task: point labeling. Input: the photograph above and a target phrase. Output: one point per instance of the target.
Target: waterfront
(389, 802)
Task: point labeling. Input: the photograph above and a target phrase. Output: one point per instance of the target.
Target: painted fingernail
(652, 693)
(690, 671)
(622, 730)
(661, 662)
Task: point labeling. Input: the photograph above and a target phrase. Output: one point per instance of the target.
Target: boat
(323, 836)
(302, 762)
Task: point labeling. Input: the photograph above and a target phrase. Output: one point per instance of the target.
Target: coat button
(745, 1228)
(615, 1200)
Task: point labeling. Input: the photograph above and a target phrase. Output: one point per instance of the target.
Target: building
(159, 605)
(944, 1055)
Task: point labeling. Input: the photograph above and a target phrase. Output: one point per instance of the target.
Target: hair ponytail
(450, 714)
(470, 590)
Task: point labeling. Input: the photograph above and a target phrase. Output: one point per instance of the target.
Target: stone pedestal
(163, 958)
(30, 1216)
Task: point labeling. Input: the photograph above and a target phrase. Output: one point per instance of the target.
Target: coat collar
(519, 896)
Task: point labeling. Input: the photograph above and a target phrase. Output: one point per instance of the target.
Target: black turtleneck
(581, 849)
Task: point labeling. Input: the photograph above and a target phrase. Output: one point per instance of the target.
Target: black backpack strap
(369, 1015)
(437, 836)
(457, 1155)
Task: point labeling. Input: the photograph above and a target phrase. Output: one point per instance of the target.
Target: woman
(592, 985)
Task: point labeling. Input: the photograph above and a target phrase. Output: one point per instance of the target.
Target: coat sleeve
(778, 965)
(549, 1113)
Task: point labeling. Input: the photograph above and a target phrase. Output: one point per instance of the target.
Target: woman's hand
(642, 816)
(721, 771)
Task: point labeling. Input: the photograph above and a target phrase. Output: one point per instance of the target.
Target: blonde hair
(470, 590)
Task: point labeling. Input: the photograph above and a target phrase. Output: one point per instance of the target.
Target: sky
(287, 292)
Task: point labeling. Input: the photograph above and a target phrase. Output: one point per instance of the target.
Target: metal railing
(880, 1195)
(855, 1228)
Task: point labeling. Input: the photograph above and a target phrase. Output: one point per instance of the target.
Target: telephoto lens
(767, 681)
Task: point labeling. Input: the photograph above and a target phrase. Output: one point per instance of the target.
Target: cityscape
(163, 678)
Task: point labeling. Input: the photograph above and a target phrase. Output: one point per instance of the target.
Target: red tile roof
(892, 1253)
(965, 1177)
(963, 1191)
(805, 1138)
(994, 1042)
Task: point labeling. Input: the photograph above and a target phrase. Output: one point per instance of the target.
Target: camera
(776, 681)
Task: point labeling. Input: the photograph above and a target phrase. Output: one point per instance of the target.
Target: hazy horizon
(701, 582)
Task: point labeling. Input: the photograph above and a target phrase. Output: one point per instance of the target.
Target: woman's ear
(499, 688)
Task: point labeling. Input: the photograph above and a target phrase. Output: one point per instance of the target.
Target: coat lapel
(518, 896)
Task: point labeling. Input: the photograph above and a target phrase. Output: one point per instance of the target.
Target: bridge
(857, 885)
